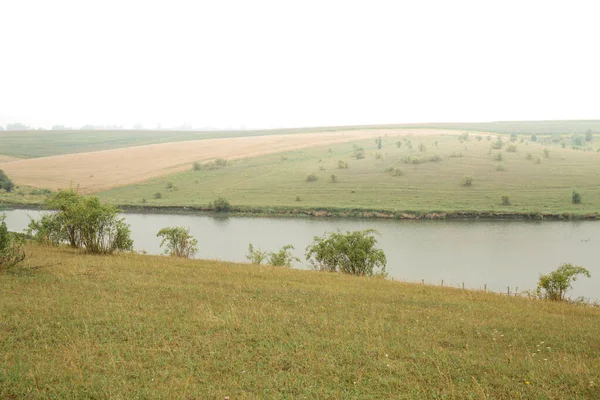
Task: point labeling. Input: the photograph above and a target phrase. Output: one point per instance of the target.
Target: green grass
(278, 180)
(30, 144)
(131, 326)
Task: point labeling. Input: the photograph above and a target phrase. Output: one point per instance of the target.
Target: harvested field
(102, 170)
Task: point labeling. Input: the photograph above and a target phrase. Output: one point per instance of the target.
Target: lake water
(477, 253)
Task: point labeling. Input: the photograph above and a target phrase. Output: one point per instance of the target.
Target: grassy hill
(131, 326)
(29, 144)
(537, 177)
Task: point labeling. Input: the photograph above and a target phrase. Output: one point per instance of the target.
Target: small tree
(379, 143)
(576, 197)
(283, 258)
(333, 178)
(178, 242)
(6, 183)
(350, 253)
(196, 166)
(505, 201)
(311, 177)
(556, 283)
(11, 247)
(589, 136)
(221, 205)
(467, 181)
(255, 256)
(358, 152)
(534, 138)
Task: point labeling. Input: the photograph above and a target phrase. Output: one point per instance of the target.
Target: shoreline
(358, 213)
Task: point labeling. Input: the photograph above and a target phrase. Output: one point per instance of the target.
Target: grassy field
(31, 144)
(131, 326)
(532, 181)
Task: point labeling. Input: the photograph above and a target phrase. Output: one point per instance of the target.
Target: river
(498, 254)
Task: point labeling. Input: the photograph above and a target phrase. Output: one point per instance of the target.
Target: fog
(266, 64)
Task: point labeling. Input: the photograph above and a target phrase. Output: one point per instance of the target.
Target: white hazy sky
(297, 63)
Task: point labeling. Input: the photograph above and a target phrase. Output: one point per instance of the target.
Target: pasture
(132, 326)
(424, 174)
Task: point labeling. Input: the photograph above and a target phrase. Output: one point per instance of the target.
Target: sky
(267, 64)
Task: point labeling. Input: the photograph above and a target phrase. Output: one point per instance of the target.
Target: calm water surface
(496, 253)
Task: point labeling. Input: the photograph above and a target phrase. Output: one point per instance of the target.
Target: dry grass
(130, 326)
(102, 170)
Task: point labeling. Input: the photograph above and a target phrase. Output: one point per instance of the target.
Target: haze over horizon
(270, 64)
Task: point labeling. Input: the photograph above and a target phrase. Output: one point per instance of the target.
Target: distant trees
(589, 136)
(5, 183)
(17, 126)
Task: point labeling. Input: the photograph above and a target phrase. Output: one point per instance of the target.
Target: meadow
(130, 326)
(425, 174)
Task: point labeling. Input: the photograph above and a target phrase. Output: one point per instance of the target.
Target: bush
(513, 137)
(497, 157)
(576, 197)
(333, 178)
(500, 168)
(534, 138)
(350, 253)
(511, 148)
(358, 152)
(298, 198)
(589, 136)
(455, 154)
(538, 160)
(394, 171)
(84, 223)
(578, 140)
(196, 166)
(546, 153)
(463, 137)
(398, 144)
(169, 185)
(11, 247)
(505, 201)
(158, 195)
(497, 145)
(220, 162)
(422, 147)
(529, 156)
(283, 258)
(221, 205)
(435, 158)
(255, 256)
(556, 283)
(342, 164)
(311, 177)
(467, 181)
(6, 183)
(178, 242)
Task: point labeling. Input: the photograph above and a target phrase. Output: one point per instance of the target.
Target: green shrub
(341, 164)
(11, 247)
(196, 166)
(283, 258)
(5, 183)
(576, 197)
(178, 242)
(463, 137)
(394, 171)
(84, 223)
(497, 157)
(497, 145)
(467, 181)
(333, 178)
(255, 256)
(435, 158)
(422, 147)
(298, 198)
(529, 156)
(589, 136)
(350, 253)
(311, 177)
(398, 144)
(221, 205)
(358, 152)
(534, 138)
(505, 201)
(511, 148)
(556, 284)
(546, 153)
(538, 160)
(157, 195)
(169, 185)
